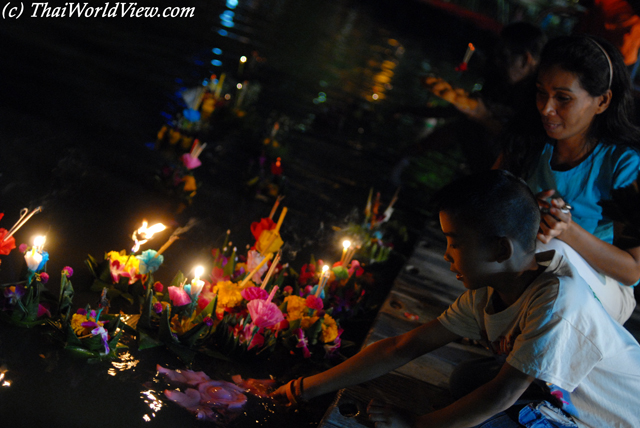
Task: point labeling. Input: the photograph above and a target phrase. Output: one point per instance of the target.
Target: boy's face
(470, 256)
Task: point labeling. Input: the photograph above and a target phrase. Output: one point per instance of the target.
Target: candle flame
(325, 268)
(144, 233)
(346, 244)
(471, 47)
(38, 242)
(198, 272)
(243, 58)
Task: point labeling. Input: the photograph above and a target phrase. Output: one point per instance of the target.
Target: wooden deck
(425, 287)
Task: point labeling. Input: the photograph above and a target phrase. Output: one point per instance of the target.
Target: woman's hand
(386, 416)
(555, 217)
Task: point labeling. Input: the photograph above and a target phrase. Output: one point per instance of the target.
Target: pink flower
(43, 311)
(264, 313)
(178, 296)
(208, 321)
(190, 162)
(314, 302)
(288, 289)
(355, 268)
(252, 293)
(308, 289)
(44, 277)
(217, 275)
(23, 248)
(67, 270)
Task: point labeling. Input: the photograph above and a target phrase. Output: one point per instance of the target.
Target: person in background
(574, 145)
(507, 83)
(545, 328)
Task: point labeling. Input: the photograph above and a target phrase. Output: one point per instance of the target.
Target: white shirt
(558, 332)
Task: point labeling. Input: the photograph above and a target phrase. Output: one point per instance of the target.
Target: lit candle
(467, 55)
(345, 246)
(33, 257)
(197, 283)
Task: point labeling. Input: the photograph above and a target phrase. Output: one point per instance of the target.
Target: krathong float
(208, 399)
(23, 302)
(372, 238)
(126, 274)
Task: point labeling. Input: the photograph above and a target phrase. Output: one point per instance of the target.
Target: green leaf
(147, 310)
(145, 341)
(177, 280)
(207, 311)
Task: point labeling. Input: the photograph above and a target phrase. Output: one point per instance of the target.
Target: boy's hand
(386, 416)
(280, 394)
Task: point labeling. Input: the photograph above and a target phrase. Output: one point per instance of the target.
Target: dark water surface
(83, 98)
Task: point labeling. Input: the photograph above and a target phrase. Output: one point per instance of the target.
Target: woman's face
(567, 110)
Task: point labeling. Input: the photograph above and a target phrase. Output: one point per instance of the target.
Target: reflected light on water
(126, 362)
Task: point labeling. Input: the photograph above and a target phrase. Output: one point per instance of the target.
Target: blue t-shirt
(608, 167)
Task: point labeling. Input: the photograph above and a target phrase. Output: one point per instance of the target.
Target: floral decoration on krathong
(177, 178)
(127, 275)
(23, 302)
(376, 234)
(87, 333)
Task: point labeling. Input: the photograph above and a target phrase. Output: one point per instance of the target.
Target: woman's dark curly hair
(582, 56)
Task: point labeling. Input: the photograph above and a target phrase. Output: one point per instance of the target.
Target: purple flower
(67, 270)
(208, 321)
(105, 337)
(157, 307)
(302, 342)
(81, 311)
(14, 294)
(44, 277)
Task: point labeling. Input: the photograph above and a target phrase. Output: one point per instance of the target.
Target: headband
(608, 60)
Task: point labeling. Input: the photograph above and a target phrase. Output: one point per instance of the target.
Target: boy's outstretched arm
(476, 407)
(376, 359)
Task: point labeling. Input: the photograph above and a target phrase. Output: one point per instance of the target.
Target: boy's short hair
(496, 203)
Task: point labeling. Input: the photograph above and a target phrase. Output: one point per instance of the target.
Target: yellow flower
(307, 322)
(181, 325)
(329, 329)
(296, 306)
(189, 183)
(128, 261)
(228, 294)
(76, 324)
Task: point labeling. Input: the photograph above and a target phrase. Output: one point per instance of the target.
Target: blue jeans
(534, 415)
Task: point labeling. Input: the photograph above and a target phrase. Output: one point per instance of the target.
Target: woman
(578, 149)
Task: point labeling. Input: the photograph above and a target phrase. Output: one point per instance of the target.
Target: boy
(530, 308)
